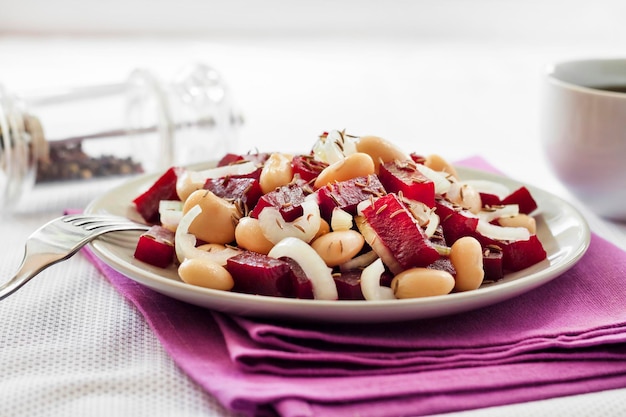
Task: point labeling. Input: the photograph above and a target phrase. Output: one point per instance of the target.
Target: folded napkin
(566, 337)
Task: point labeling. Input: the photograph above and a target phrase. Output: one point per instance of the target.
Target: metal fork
(59, 239)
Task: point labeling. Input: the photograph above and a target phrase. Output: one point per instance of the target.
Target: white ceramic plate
(560, 227)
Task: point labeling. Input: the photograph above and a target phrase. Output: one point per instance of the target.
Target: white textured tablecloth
(71, 346)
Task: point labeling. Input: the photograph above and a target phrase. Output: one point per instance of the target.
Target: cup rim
(558, 80)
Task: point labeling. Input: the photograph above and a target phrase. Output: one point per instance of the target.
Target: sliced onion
(243, 168)
(419, 210)
(432, 225)
(185, 242)
(275, 228)
(170, 213)
(340, 220)
(497, 212)
(442, 250)
(489, 187)
(359, 262)
(504, 233)
(424, 215)
(313, 266)
(334, 147)
(442, 183)
(370, 283)
(362, 206)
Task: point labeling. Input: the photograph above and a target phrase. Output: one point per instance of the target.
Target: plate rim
(340, 310)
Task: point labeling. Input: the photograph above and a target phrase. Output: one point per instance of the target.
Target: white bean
(465, 196)
(438, 163)
(520, 220)
(338, 247)
(422, 282)
(249, 235)
(352, 166)
(380, 150)
(216, 223)
(205, 273)
(466, 255)
(276, 172)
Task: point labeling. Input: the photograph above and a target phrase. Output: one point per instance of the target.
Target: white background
(424, 74)
(530, 20)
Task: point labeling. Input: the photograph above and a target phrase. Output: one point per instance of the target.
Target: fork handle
(30, 267)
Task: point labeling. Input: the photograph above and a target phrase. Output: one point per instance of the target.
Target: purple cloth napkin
(566, 337)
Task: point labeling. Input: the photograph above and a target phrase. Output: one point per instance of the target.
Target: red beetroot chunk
(156, 247)
(287, 199)
(403, 177)
(488, 199)
(516, 255)
(523, 199)
(307, 167)
(523, 254)
(246, 190)
(349, 285)
(492, 263)
(255, 273)
(455, 223)
(443, 264)
(231, 158)
(164, 188)
(399, 233)
(346, 195)
(302, 287)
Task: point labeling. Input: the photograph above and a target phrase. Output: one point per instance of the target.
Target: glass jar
(103, 134)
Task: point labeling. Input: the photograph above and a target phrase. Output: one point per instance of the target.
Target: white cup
(584, 131)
